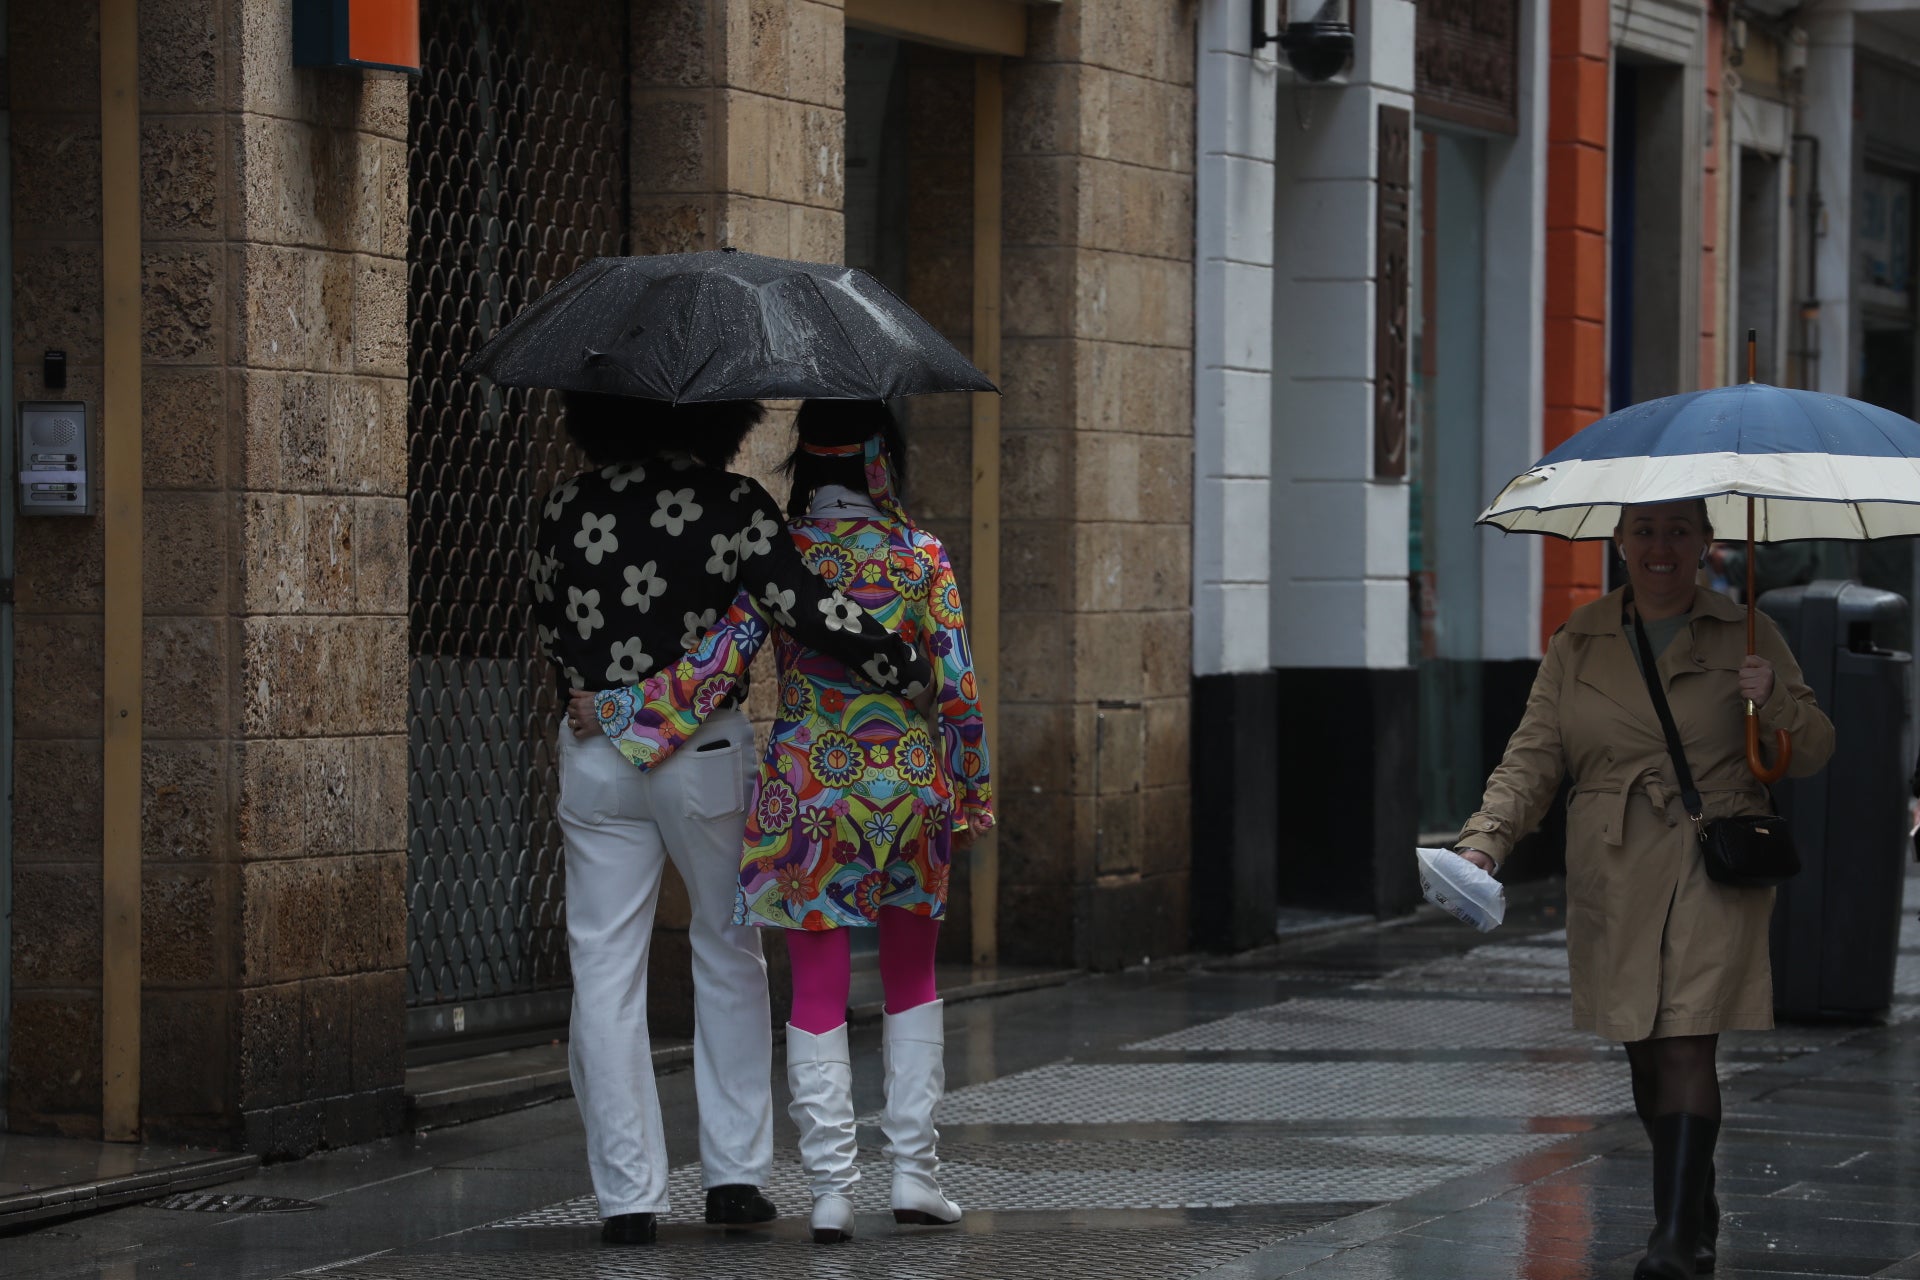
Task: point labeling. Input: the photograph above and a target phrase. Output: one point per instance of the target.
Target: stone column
(317, 413)
(53, 1070)
(273, 209)
(739, 140)
(741, 127)
(1096, 559)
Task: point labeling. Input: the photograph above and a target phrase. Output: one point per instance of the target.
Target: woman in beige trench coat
(1662, 957)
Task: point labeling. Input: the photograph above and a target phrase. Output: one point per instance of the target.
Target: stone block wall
(317, 418)
(273, 784)
(1097, 459)
(740, 127)
(744, 145)
(54, 101)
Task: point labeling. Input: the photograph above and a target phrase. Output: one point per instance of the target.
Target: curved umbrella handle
(1754, 760)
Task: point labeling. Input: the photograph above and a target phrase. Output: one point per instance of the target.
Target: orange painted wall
(1576, 320)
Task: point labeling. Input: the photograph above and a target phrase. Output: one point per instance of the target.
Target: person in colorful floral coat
(861, 800)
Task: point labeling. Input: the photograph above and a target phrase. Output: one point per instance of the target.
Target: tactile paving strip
(1256, 1092)
(1175, 1173)
(1041, 1251)
(1506, 969)
(1364, 1025)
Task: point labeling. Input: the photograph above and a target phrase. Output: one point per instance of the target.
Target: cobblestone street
(1383, 1101)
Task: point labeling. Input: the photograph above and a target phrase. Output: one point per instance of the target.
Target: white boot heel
(914, 1048)
(832, 1219)
(821, 1080)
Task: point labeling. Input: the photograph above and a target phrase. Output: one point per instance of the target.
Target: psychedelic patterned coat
(857, 801)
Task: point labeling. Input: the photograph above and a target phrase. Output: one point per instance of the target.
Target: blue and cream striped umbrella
(1815, 466)
(1782, 464)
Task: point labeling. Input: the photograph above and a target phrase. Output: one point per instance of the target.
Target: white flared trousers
(621, 827)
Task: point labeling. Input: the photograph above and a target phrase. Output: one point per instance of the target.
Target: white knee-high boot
(914, 1049)
(821, 1079)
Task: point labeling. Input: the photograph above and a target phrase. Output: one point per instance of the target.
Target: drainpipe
(122, 618)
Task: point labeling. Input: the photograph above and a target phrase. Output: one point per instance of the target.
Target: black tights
(1675, 1073)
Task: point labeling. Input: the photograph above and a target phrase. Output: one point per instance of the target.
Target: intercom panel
(53, 459)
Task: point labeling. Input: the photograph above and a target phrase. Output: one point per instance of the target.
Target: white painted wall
(1300, 558)
(1339, 557)
(1513, 384)
(1233, 343)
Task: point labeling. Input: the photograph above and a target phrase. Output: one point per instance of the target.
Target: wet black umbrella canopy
(724, 325)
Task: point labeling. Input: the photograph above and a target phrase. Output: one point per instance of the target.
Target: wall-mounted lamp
(1318, 39)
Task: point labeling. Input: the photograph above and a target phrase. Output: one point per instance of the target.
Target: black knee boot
(1706, 1254)
(1682, 1167)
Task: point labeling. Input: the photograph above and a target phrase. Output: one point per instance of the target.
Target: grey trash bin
(1836, 926)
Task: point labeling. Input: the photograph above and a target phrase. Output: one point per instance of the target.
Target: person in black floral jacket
(634, 559)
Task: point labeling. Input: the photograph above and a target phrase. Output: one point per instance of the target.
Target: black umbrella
(725, 325)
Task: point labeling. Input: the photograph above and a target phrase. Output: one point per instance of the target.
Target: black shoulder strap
(1689, 795)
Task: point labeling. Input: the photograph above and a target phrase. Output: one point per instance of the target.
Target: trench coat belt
(1664, 798)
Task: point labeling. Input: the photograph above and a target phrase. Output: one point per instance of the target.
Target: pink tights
(822, 969)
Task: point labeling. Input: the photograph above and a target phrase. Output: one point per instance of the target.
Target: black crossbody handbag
(1754, 851)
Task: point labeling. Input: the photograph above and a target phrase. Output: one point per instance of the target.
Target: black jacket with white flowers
(632, 563)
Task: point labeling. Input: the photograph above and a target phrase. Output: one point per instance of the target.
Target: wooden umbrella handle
(1782, 742)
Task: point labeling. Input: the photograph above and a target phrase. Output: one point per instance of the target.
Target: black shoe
(628, 1228)
(1682, 1165)
(738, 1205)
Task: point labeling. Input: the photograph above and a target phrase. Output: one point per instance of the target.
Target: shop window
(1444, 455)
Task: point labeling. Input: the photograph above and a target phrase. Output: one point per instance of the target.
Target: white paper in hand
(1456, 886)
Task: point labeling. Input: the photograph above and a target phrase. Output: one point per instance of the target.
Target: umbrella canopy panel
(722, 325)
(1817, 466)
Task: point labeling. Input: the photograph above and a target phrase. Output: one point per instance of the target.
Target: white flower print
(841, 613)
(575, 680)
(545, 636)
(740, 491)
(697, 624)
(757, 538)
(621, 474)
(881, 671)
(557, 500)
(677, 511)
(725, 558)
(779, 603)
(644, 585)
(630, 662)
(540, 574)
(583, 611)
(596, 537)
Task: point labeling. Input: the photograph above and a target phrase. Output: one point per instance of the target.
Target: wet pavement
(1400, 1101)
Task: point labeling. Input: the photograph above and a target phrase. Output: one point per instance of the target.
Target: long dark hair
(841, 422)
(610, 429)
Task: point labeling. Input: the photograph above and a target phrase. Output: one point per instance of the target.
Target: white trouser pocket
(712, 781)
(596, 782)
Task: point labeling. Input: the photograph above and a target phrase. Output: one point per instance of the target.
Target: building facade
(319, 841)
(1497, 223)
(282, 787)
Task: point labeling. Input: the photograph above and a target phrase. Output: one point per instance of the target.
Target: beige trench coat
(1656, 948)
